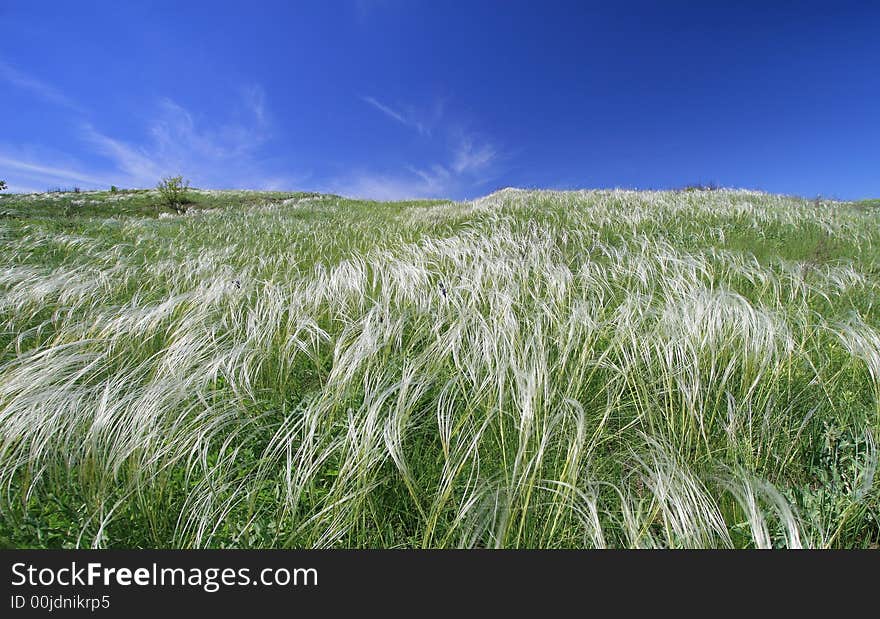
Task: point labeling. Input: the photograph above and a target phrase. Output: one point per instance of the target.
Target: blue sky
(392, 99)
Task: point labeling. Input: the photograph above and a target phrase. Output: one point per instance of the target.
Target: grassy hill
(529, 369)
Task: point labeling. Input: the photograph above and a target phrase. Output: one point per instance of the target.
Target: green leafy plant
(174, 193)
(2, 185)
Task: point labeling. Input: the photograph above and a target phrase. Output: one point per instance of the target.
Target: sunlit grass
(531, 369)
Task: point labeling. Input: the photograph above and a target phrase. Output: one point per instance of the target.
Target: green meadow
(532, 369)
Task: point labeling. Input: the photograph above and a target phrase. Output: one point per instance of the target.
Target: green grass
(531, 369)
(128, 202)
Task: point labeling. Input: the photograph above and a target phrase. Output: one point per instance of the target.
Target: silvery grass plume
(530, 369)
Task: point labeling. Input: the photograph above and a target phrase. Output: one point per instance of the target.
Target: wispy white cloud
(255, 99)
(405, 118)
(223, 155)
(470, 166)
(29, 169)
(472, 157)
(230, 153)
(138, 168)
(371, 186)
(174, 141)
(469, 162)
(39, 88)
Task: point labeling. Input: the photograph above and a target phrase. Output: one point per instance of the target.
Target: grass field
(530, 369)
